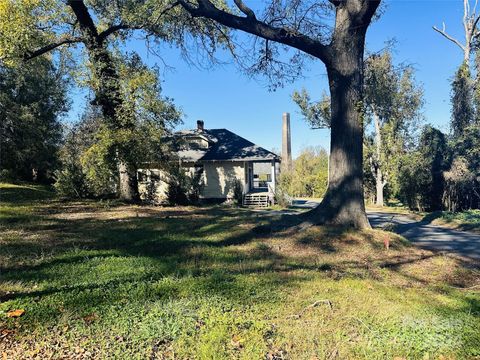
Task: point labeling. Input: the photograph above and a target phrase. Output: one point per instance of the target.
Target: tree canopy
(32, 101)
(90, 31)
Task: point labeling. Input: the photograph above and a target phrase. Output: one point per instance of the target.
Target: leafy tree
(150, 117)
(462, 180)
(32, 100)
(392, 103)
(308, 176)
(77, 177)
(434, 148)
(301, 25)
(413, 180)
(465, 88)
(461, 190)
(38, 27)
(93, 144)
(421, 181)
(317, 114)
(463, 112)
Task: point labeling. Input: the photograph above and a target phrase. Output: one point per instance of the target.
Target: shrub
(308, 176)
(460, 192)
(71, 182)
(7, 175)
(183, 188)
(281, 197)
(237, 193)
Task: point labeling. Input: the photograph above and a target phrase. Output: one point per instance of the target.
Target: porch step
(256, 200)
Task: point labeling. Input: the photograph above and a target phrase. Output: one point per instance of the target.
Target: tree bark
(343, 203)
(380, 185)
(379, 181)
(128, 184)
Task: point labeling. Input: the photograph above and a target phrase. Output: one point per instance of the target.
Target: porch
(260, 182)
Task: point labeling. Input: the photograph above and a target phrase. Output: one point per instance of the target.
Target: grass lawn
(468, 220)
(106, 280)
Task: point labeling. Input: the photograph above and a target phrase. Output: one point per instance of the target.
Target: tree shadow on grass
(91, 263)
(25, 194)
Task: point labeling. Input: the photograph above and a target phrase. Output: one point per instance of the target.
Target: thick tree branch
(43, 50)
(114, 28)
(251, 25)
(87, 26)
(335, 2)
(474, 27)
(369, 7)
(123, 26)
(245, 9)
(452, 39)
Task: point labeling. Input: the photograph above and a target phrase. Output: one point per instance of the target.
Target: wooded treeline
(406, 159)
(379, 148)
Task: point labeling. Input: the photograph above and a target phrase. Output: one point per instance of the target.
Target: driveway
(422, 234)
(427, 236)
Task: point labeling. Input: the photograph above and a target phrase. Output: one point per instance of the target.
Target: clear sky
(225, 98)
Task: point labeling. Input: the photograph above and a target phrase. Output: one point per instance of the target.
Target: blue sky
(225, 98)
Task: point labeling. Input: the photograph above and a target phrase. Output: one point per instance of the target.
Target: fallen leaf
(236, 342)
(90, 318)
(6, 332)
(15, 313)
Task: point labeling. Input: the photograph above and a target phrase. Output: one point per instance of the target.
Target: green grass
(468, 220)
(102, 280)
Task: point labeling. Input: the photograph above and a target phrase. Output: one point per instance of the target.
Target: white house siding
(219, 178)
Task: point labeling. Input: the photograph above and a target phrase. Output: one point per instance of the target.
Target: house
(221, 159)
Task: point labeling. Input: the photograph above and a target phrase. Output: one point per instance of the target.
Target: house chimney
(200, 124)
(286, 142)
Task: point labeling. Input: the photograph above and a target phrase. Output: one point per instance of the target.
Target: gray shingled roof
(224, 145)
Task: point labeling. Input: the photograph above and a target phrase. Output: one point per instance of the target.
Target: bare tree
(470, 22)
(342, 53)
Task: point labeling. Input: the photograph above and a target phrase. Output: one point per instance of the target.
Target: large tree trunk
(343, 203)
(107, 96)
(379, 181)
(126, 189)
(379, 187)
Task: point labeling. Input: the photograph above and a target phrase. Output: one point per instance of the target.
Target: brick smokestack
(200, 125)
(286, 142)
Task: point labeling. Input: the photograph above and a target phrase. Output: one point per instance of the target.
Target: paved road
(424, 235)
(427, 236)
